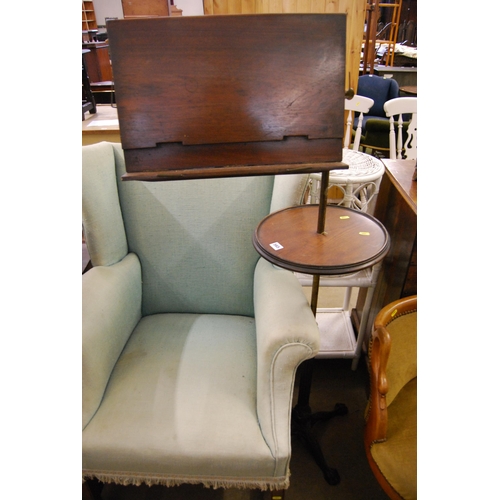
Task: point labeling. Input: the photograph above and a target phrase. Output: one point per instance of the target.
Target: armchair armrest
(111, 308)
(381, 383)
(287, 335)
(376, 423)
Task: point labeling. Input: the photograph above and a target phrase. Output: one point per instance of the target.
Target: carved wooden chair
(399, 111)
(361, 105)
(391, 427)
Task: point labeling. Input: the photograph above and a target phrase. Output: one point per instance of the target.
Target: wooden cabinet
(98, 62)
(89, 21)
(396, 209)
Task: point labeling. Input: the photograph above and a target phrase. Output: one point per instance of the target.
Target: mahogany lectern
(214, 96)
(236, 95)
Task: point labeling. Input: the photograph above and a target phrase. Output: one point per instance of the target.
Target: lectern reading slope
(222, 96)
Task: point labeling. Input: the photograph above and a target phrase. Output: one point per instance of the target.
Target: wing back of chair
(170, 225)
(102, 217)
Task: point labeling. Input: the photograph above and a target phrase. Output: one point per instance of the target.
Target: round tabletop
(352, 240)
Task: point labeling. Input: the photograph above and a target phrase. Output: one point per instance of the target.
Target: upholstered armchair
(375, 123)
(191, 342)
(380, 90)
(391, 427)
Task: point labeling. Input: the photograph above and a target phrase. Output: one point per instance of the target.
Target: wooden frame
(380, 348)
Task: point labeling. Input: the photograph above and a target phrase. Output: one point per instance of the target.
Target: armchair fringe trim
(129, 478)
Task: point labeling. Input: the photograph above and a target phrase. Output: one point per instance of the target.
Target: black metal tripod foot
(320, 416)
(302, 422)
(331, 476)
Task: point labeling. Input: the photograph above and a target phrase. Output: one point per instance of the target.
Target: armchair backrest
(193, 237)
(400, 324)
(380, 90)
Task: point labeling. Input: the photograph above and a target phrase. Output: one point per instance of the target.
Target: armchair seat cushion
(376, 133)
(183, 388)
(397, 457)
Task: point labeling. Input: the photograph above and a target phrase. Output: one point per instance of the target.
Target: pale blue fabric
(184, 384)
(102, 218)
(194, 240)
(190, 341)
(111, 308)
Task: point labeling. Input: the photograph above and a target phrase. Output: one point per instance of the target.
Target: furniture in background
(398, 110)
(98, 62)
(402, 74)
(346, 190)
(396, 135)
(408, 90)
(149, 8)
(97, 56)
(88, 101)
(376, 37)
(396, 209)
(358, 187)
(354, 10)
(360, 105)
(380, 90)
(391, 427)
(89, 22)
(101, 126)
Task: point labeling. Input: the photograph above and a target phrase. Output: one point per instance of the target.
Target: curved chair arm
(395, 309)
(376, 424)
(287, 335)
(379, 350)
(111, 308)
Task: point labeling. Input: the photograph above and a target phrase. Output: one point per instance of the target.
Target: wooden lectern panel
(204, 96)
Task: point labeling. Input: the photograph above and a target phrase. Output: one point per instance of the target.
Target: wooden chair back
(395, 109)
(358, 104)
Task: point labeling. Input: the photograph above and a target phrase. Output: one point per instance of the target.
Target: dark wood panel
(244, 90)
(396, 209)
(98, 62)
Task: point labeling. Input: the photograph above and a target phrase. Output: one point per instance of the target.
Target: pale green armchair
(191, 342)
